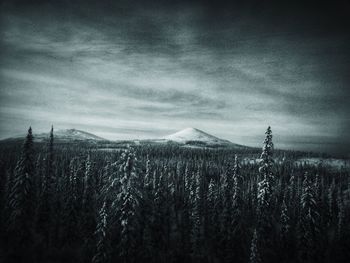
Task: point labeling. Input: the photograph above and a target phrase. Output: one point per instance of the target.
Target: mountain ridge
(188, 137)
(62, 135)
(191, 134)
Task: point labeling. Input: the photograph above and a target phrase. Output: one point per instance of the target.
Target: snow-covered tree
(21, 206)
(148, 175)
(196, 233)
(254, 249)
(331, 201)
(21, 192)
(265, 185)
(308, 221)
(89, 191)
(49, 173)
(237, 202)
(285, 224)
(266, 160)
(211, 198)
(227, 213)
(102, 241)
(341, 215)
(129, 205)
(265, 196)
(44, 218)
(71, 204)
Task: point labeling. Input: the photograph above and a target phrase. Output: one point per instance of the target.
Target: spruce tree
(129, 207)
(196, 233)
(254, 249)
(341, 215)
(21, 200)
(265, 200)
(308, 222)
(285, 230)
(71, 206)
(213, 231)
(88, 217)
(237, 202)
(102, 240)
(46, 202)
(227, 213)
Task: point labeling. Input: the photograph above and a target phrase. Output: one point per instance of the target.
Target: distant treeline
(165, 203)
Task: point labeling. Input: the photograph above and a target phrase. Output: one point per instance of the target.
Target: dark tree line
(69, 203)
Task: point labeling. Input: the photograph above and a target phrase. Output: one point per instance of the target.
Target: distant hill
(196, 137)
(65, 135)
(189, 137)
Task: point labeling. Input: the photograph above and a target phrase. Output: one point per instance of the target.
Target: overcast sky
(132, 70)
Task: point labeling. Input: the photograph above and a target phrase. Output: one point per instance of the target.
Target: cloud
(127, 70)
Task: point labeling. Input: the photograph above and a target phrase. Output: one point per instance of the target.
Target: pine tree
(266, 160)
(89, 185)
(148, 176)
(308, 223)
(341, 215)
(21, 195)
(254, 249)
(49, 163)
(237, 192)
(45, 210)
(21, 192)
(111, 191)
(227, 213)
(129, 207)
(265, 194)
(211, 202)
(88, 217)
(265, 185)
(71, 205)
(101, 233)
(147, 213)
(291, 191)
(331, 202)
(196, 233)
(285, 225)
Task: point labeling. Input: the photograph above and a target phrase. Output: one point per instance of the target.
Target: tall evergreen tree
(254, 249)
(265, 185)
(71, 205)
(88, 216)
(45, 210)
(129, 207)
(101, 233)
(227, 213)
(196, 233)
(21, 198)
(237, 192)
(308, 222)
(285, 227)
(265, 197)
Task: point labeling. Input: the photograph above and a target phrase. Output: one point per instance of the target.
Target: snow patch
(69, 135)
(194, 135)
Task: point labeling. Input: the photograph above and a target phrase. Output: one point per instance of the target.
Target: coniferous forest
(165, 203)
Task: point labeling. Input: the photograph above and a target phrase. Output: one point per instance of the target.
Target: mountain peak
(74, 134)
(191, 129)
(195, 135)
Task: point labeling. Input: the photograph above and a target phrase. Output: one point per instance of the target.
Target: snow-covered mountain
(189, 137)
(70, 135)
(63, 136)
(193, 136)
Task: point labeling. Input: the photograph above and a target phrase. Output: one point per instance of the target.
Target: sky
(146, 69)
